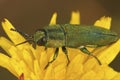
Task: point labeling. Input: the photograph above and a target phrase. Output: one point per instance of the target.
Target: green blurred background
(29, 15)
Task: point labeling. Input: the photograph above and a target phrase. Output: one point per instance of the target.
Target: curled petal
(75, 17)
(104, 22)
(53, 19)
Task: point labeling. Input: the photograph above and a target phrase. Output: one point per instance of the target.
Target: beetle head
(39, 38)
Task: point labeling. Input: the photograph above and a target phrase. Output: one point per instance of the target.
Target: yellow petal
(104, 22)
(60, 71)
(9, 48)
(109, 53)
(99, 74)
(116, 77)
(14, 36)
(88, 76)
(53, 19)
(5, 44)
(38, 51)
(17, 66)
(87, 65)
(37, 70)
(109, 73)
(75, 17)
(5, 62)
(26, 70)
(27, 57)
(15, 53)
(32, 76)
(75, 68)
(20, 67)
(49, 73)
(43, 59)
(72, 53)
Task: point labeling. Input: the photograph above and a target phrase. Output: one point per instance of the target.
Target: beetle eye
(42, 41)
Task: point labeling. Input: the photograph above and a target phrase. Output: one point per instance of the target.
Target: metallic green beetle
(72, 36)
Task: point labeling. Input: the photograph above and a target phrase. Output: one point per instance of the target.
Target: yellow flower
(29, 63)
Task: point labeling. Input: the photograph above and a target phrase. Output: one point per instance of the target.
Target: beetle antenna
(24, 42)
(24, 34)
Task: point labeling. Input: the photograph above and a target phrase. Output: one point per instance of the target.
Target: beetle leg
(84, 50)
(66, 53)
(54, 57)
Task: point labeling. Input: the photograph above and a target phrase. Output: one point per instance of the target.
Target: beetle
(72, 36)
